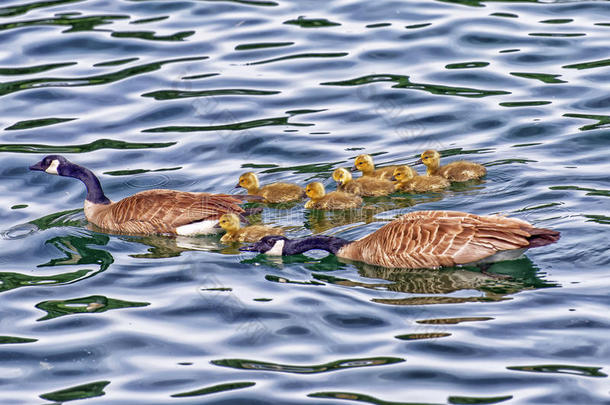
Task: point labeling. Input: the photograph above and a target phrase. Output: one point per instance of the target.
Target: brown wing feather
(430, 239)
(162, 211)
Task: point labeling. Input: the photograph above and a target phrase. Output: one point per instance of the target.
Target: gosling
(336, 200)
(405, 181)
(252, 233)
(272, 193)
(461, 170)
(364, 186)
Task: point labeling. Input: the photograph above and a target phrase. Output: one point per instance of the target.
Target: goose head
(249, 181)
(365, 164)
(229, 222)
(342, 176)
(401, 174)
(54, 164)
(271, 245)
(315, 190)
(431, 158)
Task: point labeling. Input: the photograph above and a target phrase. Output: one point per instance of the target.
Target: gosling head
(401, 174)
(342, 176)
(315, 190)
(229, 222)
(271, 245)
(365, 164)
(249, 181)
(431, 159)
(53, 164)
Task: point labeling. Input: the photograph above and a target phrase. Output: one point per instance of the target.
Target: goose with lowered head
(425, 239)
(148, 212)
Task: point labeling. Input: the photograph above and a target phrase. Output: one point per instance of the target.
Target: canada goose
(252, 233)
(272, 193)
(405, 181)
(364, 186)
(147, 212)
(425, 239)
(365, 164)
(336, 200)
(461, 170)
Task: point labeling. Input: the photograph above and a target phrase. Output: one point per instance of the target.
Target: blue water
(189, 94)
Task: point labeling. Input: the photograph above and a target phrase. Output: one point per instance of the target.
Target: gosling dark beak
(249, 248)
(354, 169)
(418, 162)
(217, 226)
(237, 186)
(393, 178)
(37, 166)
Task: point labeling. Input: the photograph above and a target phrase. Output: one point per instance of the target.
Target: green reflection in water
(77, 251)
(244, 364)
(152, 36)
(249, 2)
(478, 400)
(466, 65)
(590, 191)
(62, 218)
(543, 77)
(589, 65)
(237, 126)
(115, 62)
(177, 94)
(261, 45)
(77, 24)
(301, 56)
(284, 280)
(41, 122)
(352, 396)
(420, 336)
(524, 103)
(403, 82)
(19, 85)
(600, 219)
(312, 22)
(454, 321)
(603, 121)
(13, 339)
(149, 20)
(140, 171)
(12, 11)
(88, 147)
(215, 388)
(28, 70)
(10, 281)
(91, 304)
(91, 390)
(562, 369)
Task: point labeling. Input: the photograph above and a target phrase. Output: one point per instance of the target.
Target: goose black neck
(322, 242)
(95, 194)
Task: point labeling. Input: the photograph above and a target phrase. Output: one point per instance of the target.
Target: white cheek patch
(52, 169)
(277, 249)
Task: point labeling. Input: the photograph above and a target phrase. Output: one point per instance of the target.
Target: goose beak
(216, 226)
(237, 186)
(418, 162)
(37, 166)
(393, 178)
(354, 169)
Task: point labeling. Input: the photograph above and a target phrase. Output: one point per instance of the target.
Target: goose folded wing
(165, 210)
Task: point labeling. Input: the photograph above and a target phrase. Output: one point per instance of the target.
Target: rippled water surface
(189, 94)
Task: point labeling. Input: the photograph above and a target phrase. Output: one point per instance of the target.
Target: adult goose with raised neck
(148, 212)
(425, 239)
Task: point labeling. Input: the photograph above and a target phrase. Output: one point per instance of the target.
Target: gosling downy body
(363, 186)
(252, 233)
(461, 170)
(336, 200)
(405, 181)
(147, 212)
(272, 193)
(365, 164)
(425, 239)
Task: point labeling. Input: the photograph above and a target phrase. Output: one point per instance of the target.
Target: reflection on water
(190, 94)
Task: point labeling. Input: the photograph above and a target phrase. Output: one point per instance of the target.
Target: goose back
(431, 239)
(160, 211)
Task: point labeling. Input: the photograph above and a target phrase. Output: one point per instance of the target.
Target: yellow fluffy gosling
(336, 200)
(364, 186)
(418, 184)
(272, 193)
(365, 164)
(252, 233)
(461, 170)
